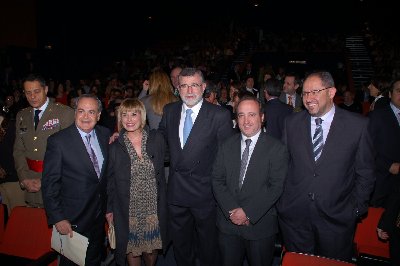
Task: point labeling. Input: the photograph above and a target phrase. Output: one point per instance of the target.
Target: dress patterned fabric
(144, 230)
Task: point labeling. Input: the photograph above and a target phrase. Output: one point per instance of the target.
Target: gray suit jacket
(262, 186)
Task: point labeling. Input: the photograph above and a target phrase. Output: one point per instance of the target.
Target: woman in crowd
(160, 93)
(136, 188)
(377, 89)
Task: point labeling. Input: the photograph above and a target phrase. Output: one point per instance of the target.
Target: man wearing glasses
(330, 176)
(193, 129)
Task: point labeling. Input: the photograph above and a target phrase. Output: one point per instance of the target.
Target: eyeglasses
(187, 86)
(313, 92)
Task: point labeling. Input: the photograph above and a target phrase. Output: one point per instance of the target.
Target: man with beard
(193, 129)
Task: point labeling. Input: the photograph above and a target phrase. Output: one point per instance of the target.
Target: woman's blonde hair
(131, 105)
(161, 91)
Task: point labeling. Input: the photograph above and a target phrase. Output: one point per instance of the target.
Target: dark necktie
(187, 126)
(318, 139)
(243, 163)
(36, 118)
(92, 155)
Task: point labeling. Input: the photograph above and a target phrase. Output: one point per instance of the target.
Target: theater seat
(2, 221)
(27, 237)
(366, 239)
(299, 259)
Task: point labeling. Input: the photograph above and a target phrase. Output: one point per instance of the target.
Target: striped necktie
(318, 139)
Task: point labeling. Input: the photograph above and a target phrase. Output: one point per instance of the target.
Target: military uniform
(30, 144)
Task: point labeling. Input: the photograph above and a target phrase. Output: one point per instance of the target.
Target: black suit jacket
(385, 132)
(261, 189)
(118, 190)
(70, 186)
(340, 182)
(189, 181)
(275, 113)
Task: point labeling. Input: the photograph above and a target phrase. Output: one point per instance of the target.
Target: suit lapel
(174, 127)
(103, 142)
(202, 122)
(335, 132)
(81, 150)
(258, 155)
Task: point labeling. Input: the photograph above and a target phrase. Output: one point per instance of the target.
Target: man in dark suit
(275, 112)
(330, 176)
(247, 218)
(74, 183)
(190, 200)
(385, 131)
(289, 95)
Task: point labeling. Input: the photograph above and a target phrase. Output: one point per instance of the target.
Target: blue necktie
(318, 139)
(187, 126)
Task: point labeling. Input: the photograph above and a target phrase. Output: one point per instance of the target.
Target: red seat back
(27, 234)
(366, 238)
(2, 221)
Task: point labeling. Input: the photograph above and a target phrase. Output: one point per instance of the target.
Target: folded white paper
(74, 248)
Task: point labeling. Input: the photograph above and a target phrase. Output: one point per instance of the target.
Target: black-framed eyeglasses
(187, 86)
(313, 92)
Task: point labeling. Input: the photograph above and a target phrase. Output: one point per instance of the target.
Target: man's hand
(382, 234)
(113, 137)
(32, 185)
(238, 217)
(64, 228)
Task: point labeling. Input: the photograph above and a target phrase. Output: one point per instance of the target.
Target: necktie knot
(318, 121)
(248, 142)
(290, 100)
(88, 138)
(189, 112)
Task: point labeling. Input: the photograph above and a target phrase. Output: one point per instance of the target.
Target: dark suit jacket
(118, 190)
(340, 182)
(71, 189)
(262, 186)
(189, 181)
(275, 113)
(385, 132)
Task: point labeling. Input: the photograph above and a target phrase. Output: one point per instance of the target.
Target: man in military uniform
(34, 125)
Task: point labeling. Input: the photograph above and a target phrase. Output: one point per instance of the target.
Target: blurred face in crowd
(250, 83)
(249, 117)
(174, 76)
(373, 91)
(317, 99)
(348, 97)
(87, 114)
(35, 93)
(395, 94)
(191, 89)
(289, 86)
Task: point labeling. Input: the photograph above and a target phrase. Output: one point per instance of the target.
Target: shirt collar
(195, 109)
(44, 106)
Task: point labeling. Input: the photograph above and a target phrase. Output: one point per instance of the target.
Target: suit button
(34, 149)
(176, 170)
(311, 196)
(34, 138)
(315, 175)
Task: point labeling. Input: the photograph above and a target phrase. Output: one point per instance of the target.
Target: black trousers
(194, 235)
(234, 248)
